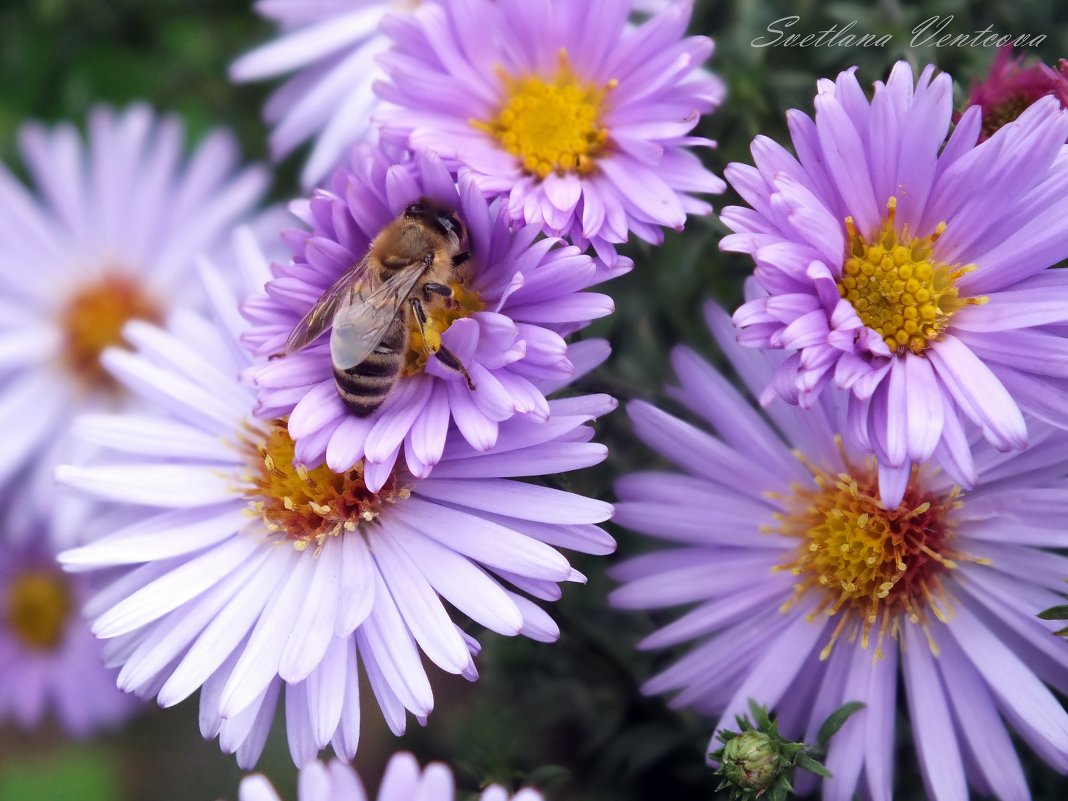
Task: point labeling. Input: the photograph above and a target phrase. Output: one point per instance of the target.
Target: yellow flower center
(440, 314)
(870, 565)
(552, 125)
(92, 321)
(897, 288)
(38, 607)
(307, 506)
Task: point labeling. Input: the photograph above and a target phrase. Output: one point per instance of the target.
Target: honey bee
(371, 308)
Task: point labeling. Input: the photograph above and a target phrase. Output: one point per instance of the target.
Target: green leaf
(806, 762)
(760, 715)
(548, 777)
(835, 722)
(1055, 613)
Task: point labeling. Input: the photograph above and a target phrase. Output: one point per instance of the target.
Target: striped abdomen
(364, 387)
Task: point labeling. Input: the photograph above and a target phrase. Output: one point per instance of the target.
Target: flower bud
(752, 761)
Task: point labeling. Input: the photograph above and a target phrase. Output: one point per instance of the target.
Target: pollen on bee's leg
(424, 340)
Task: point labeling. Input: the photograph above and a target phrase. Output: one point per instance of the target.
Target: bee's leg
(448, 358)
(432, 340)
(437, 289)
(461, 258)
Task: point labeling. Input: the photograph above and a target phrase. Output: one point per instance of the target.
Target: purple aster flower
(910, 269)
(513, 301)
(581, 121)
(108, 235)
(1011, 87)
(331, 46)
(251, 576)
(807, 592)
(50, 664)
(403, 781)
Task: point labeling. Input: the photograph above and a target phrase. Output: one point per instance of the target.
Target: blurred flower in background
(109, 236)
(513, 300)
(810, 593)
(403, 781)
(583, 124)
(332, 46)
(1011, 87)
(50, 664)
(910, 270)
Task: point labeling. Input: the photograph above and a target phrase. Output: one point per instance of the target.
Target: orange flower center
(870, 565)
(307, 506)
(92, 321)
(38, 608)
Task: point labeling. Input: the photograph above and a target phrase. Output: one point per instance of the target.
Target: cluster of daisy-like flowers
(894, 508)
(264, 539)
(231, 523)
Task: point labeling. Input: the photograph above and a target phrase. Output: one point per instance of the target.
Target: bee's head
(444, 221)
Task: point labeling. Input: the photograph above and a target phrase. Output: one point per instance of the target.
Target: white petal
(314, 627)
(226, 631)
(177, 587)
(151, 484)
(163, 536)
(258, 664)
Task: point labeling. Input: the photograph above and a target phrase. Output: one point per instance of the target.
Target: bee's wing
(360, 325)
(321, 314)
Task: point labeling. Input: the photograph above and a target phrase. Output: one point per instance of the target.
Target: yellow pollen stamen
(897, 287)
(38, 608)
(869, 565)
(551, 125)
(440, 313)
(308, 505)
(92, 321)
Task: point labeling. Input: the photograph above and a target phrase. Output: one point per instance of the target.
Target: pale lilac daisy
(249, 576)
(580, 120)
(514, 300)
(909, 268)
(403, 781)
(108, 233)
(50, 663)
(807, 592)
(330, 47)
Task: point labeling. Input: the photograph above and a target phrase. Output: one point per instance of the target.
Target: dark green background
(573, 705)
